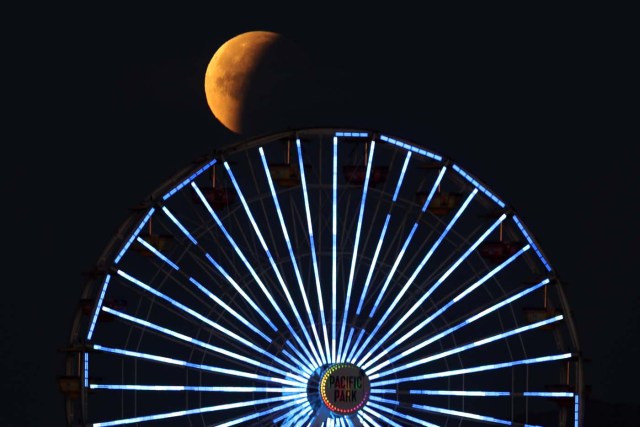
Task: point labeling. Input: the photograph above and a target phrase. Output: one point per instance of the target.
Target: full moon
(254, 81)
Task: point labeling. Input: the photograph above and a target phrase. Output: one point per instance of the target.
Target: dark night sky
(110, 103)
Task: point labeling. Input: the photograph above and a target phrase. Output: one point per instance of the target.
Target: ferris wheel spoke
(368, 409)
(343, 357)
(221, 270)
(406, 243)
(442, 278)
(240, 254)
(200, 287)
(254, 274)
(396, 414)
(230, 310)
(426, 258)
(356, 244)
(304, 364)
(276, 270)
(365, 419)
(202, 367)
(312, 245)
(266, 412)
(355, 346)
(461, 414)
(196, 411)
(204, 389)
(216, 349)
(474, 369)
(334, 247)
(445, 307)
(382, 235)
(465, 347)
(460, 325)
(293, 261)
(197, 315)
(244, 295)
(291, 417)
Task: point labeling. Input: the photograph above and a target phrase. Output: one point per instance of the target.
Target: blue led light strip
(230, 310)
(396, 413)
(473, 318)
(208, 368)
(86, 369)
(424, 297)
(461, 414)
(444, 308)
(353, 134)
(296, 417)
(292, 257)
(365, 418)
(576, 411)
(179, 225)
(356, 244)
(197, 315)
(404, 248)
(208, 409)
(204, 389)
(381, 239)
(188, 180)
(157, 252)
(394, 268)
(401, 178)
(301, 419)
(411, 148)
(531, 242)
(464, 347)
(299, 362)
(290, 416)
(404, 289)
(312, 244)
(478, 186)
(435, 186)
(355, 345)
(285, 289)
(240, 291)
(388, 421)
(477, 393)
(334, 247)
(252, 271)
(263, 413)
(373, 264)
(474, 369)
(384, 390)
(134, 235)
(346, 346)
(98, 306)
(467, 393)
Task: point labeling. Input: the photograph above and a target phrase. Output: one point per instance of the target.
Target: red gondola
(356, 174)
(537, 314)
(498, 251)
(161, 242)
(284, 174)
(217, 197)
(86, 306)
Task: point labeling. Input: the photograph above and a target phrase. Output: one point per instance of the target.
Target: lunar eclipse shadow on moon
(258, 82)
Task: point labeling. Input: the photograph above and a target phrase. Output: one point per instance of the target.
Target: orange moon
(252, 81)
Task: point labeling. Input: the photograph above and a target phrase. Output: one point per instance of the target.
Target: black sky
(109, 103)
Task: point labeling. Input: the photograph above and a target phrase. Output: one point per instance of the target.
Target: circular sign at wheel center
(344, 388)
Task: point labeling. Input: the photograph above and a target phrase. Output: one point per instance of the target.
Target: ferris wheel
(323, 277)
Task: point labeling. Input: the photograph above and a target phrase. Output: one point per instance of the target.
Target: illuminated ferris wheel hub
(343, 388)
